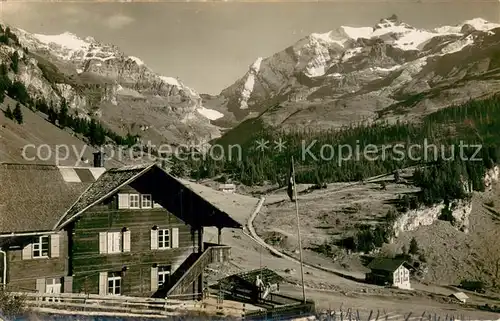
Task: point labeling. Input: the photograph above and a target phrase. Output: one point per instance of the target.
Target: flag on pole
(291, 182)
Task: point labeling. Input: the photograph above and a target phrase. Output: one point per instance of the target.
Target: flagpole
(298, 232)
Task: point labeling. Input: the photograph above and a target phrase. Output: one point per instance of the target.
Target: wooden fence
(383, 315)
(91, 304)
(284, 312)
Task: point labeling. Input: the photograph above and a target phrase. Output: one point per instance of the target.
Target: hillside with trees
(456, 133)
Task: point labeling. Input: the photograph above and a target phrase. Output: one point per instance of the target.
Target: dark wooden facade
(135, 266)
(81, 265)
(23, 272)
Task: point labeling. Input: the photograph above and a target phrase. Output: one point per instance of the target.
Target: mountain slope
(353, 74)
(99, 81)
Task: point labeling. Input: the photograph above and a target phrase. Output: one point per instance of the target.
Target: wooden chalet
(134, 230)
(389, 271)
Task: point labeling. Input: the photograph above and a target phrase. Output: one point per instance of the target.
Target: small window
(134, 201)
(147, 201)
(41, 247)
(163, 239)
(53, 285)
(114, 242)
(114, 283)
(163, 275)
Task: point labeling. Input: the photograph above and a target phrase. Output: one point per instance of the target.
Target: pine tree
(8, 113)
(52, 115)
(18, 114)
(413, 246)
(14, 65)
(62, 117)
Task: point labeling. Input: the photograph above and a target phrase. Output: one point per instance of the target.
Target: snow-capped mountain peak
(377, 62)
(95, 75)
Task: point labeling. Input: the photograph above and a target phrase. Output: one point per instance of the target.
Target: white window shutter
(154, 239)
(154, 279)
(103, 242)
(40, 285)
(103, 283)
(54, 245)
(27, 252)
(126, 241)
(175, 237)
(123, 201)
(111, 242)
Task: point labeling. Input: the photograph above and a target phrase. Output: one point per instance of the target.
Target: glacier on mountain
(249, 83)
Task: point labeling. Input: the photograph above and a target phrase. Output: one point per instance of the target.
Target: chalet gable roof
(172, 194)
(42, 198)
(386, 264)
(33, 196)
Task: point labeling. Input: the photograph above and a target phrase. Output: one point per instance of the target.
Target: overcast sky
(210, 45)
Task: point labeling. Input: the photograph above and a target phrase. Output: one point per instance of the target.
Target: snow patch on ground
(138, 61)
(209, 113)
(355, 33)
(457, 45)
(477, 23)
(395, 67)
(414, 39)
(66, 40)
(170, 81)
(327, 37)
(249, 83)
(349, 53)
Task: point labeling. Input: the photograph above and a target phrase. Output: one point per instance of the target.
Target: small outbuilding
(460, 296)
(254, 285)
(227, 188)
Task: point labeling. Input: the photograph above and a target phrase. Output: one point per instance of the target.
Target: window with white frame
(164, 239)
(114, 283)
(134, 201)
(53, 285)
(114, 242)
(163, 274)
(146, 201)
(41, 247)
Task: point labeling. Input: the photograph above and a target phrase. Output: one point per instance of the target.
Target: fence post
(370, 316)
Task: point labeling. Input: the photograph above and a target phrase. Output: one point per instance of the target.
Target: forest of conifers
(450, 130)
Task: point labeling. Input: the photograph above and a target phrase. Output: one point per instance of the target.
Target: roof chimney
(98, 159)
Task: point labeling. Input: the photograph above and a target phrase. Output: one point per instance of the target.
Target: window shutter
(154, 239)
(103, 242)
(54, 245)
(103, 283)
(126, 241)
(68, 284)
(112, 239)
(175, 237)
(154, 279)
(40, 285)
(123, 201)
(27, 252)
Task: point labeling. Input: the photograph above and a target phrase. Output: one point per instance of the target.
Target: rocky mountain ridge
(355, 74)
(100, 81)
